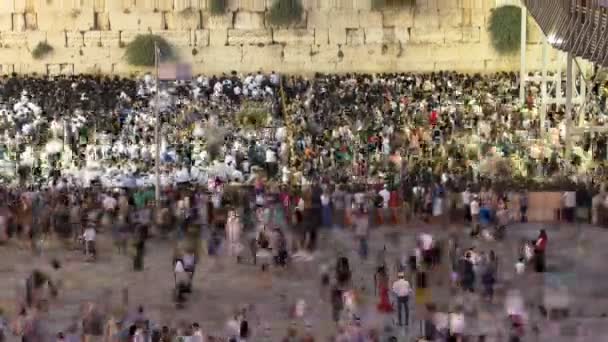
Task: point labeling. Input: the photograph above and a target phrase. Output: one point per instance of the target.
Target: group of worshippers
(78, 130)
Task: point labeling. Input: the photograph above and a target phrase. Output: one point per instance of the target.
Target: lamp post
(157, 127)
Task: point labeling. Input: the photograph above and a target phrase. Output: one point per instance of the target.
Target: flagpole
(157, 127)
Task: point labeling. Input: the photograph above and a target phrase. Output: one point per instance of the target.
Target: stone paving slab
(222, 286)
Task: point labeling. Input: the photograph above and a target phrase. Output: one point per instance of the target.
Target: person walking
(362, 232)
(402, 289)
(539, 251)
(233, 235)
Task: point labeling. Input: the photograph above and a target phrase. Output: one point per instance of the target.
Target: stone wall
(332, 36)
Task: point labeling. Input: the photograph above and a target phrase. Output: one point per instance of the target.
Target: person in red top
(393, 204)
(433, 118)
(539, 251)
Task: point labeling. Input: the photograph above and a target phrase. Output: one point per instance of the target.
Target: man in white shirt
(383, 212)
(474, 210)
(271, 162)
(89, 241)
(569, 201)
(402, 290)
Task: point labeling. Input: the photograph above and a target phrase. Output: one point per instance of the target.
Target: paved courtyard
(576, 260)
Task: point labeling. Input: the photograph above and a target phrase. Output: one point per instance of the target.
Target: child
(520, 266)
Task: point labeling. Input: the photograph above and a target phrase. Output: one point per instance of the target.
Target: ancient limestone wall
(332, 36)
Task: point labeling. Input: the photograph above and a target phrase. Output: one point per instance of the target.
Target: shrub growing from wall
(140, 52)
(217, 7)
(505, 29)
(41, 50)
(285, 12)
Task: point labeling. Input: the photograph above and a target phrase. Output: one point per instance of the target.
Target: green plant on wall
(505, 29)
(382, 4)
(41, 50)
(140, 52)
(285, 12)
(217, 7)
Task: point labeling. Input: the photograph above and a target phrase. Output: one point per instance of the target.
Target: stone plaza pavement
(576, 260)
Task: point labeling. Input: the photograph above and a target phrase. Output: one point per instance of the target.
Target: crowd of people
(281, 157)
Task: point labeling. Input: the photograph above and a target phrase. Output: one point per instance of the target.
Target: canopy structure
(579, 27)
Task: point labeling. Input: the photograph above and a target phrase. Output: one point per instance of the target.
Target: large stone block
(370, 19)
(7, 6)
(478, 17)
(31, 21)
(427, 19)
(92, 39)
(218, 37)
(249, 37)
(380, 35)
(293, 36)
(451, 18)
(220, 59)
(252, 5)
(325, 58)
(213, 22)
(189, 19)
(95, 55)
(18, 22)
(248, 20)
(321, 37)
(133, 20)
(398, 18)
(343, 19)
(13, 39)
(201, 38)
(77, 20)
(362, 5)
(264, 58)
(110, 38)
(102, 21)
(176, 38)
(402, 34)
(452, 35)
(34, 38)
(6, 22)
(74, 38)
(427, 36)
(56, 39)
(355, 37)
(416, 52)
(337, 36)
(297, 54)
(127, 37)
(471, 34)
(318, 19)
